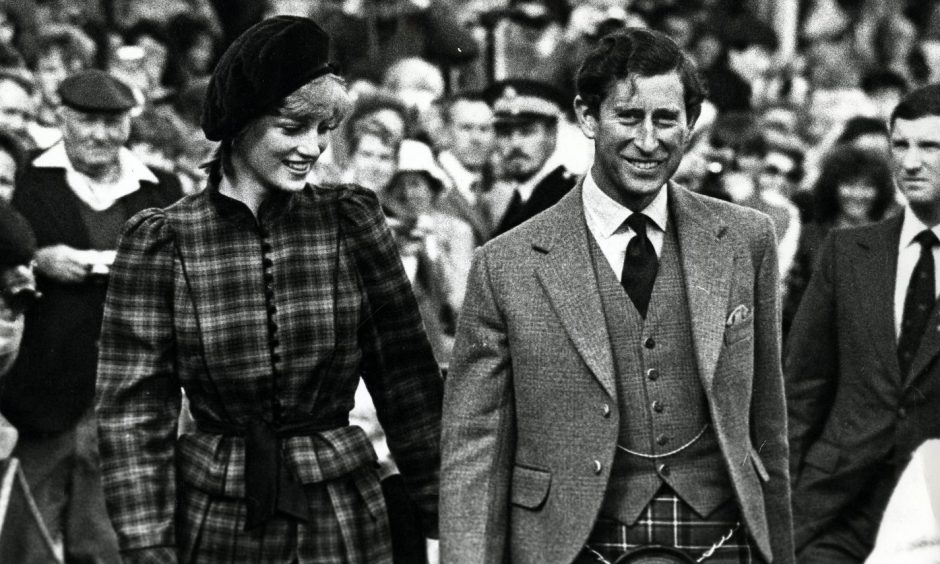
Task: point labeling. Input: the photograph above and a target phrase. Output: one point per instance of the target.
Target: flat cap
(519, 99)
(267, 62)
(96, 91)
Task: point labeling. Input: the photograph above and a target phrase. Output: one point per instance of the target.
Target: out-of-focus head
(416, 82)
(469, 123)
(12, 158)
(95, 116)
(854, 186)
(373, 156)
(17, 105)
(885, 88)
(58, 54)
(525, 121)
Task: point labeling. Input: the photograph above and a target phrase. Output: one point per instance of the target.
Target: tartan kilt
(349, 525)
(669, 521)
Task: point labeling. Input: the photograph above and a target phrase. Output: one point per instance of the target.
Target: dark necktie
(640, 265)
(918, 302)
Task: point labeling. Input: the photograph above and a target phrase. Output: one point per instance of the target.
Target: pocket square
(738, 314)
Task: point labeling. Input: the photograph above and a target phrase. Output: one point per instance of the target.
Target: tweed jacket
(52, 383)
(851, 410)
(530, 412)
(187, 307)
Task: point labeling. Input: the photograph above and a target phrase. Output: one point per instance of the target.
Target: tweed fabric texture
(669, 521)
(660, 396)
(188, 307)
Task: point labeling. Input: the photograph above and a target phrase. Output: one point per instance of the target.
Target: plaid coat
(275, 319)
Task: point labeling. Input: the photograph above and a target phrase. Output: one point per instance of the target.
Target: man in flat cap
(525, 118)
(76, 196)
(615, 393)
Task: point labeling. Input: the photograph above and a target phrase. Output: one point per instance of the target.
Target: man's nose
(646, 138)
(912, 159)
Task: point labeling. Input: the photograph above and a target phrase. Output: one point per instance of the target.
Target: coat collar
(566, 271)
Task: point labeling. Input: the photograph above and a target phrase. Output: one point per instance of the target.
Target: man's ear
(587, 118)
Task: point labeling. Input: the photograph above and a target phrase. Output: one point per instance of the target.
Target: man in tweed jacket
(574, 411)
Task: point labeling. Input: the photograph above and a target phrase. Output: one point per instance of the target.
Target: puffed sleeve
(398, 366)
(138, 395)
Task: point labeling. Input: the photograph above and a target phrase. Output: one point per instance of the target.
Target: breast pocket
(743, 329)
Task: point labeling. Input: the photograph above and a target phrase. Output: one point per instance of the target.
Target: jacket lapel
(568, 277)
(874, 260)
(707, 263)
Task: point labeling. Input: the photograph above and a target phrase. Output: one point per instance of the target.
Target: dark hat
(262, 66)
(96, 91)
(17, 243)
(522, 99)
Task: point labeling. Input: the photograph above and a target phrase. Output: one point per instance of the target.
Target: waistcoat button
(658, 406)
(663, 469)
(649, 343)
(652, 374)
(662, 440)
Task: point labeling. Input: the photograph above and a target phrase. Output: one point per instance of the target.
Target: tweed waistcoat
(662, 404)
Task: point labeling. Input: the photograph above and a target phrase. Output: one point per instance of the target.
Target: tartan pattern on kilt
(669, 521)
(187, 307)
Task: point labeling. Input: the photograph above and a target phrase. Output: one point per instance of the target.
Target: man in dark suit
(76, 197)
(863, 382)
(525, 119)
(616, 383)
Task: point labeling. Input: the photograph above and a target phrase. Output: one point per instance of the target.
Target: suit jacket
(851, 411)
(53, 382)
(530, 409)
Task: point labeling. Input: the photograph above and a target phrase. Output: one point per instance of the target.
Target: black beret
(17, 243)
(96, 91)
(517, 99)
(266, 63)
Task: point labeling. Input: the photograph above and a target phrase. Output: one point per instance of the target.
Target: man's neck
(104, 174)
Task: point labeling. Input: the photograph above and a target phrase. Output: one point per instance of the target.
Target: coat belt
(270, 485)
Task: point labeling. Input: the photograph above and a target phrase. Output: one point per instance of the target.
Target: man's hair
(923, 102)
(640, 52)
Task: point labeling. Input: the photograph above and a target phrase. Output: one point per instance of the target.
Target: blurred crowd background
(794, 124)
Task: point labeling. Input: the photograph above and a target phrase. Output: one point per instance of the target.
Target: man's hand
(62, 263)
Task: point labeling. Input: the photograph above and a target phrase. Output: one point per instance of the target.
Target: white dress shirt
(908, 254)
(605, 220)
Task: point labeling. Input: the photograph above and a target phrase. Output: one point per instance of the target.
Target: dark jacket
(547, 193)
(53, 382)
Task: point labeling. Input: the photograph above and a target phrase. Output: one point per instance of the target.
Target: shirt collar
(911, 226)
(277, 205)
(462, 178)
(133, 172)
(609, 215)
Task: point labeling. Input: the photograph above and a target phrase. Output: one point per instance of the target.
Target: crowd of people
(453, 123)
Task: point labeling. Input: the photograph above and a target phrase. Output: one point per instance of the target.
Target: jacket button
(663, 470)
(606, 410)
(652, 374)
(658, 406)
(597, 466)
(649, 343)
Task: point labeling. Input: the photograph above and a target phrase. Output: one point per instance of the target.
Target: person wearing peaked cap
(525, 120)
(75, 196)
(286, 294)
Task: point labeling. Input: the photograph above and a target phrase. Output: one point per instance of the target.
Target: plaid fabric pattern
(669, 521)
(187, 308)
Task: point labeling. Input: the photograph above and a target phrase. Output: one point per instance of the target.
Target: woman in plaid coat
(265, 299)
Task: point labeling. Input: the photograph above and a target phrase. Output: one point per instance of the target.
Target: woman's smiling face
(278, 150)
